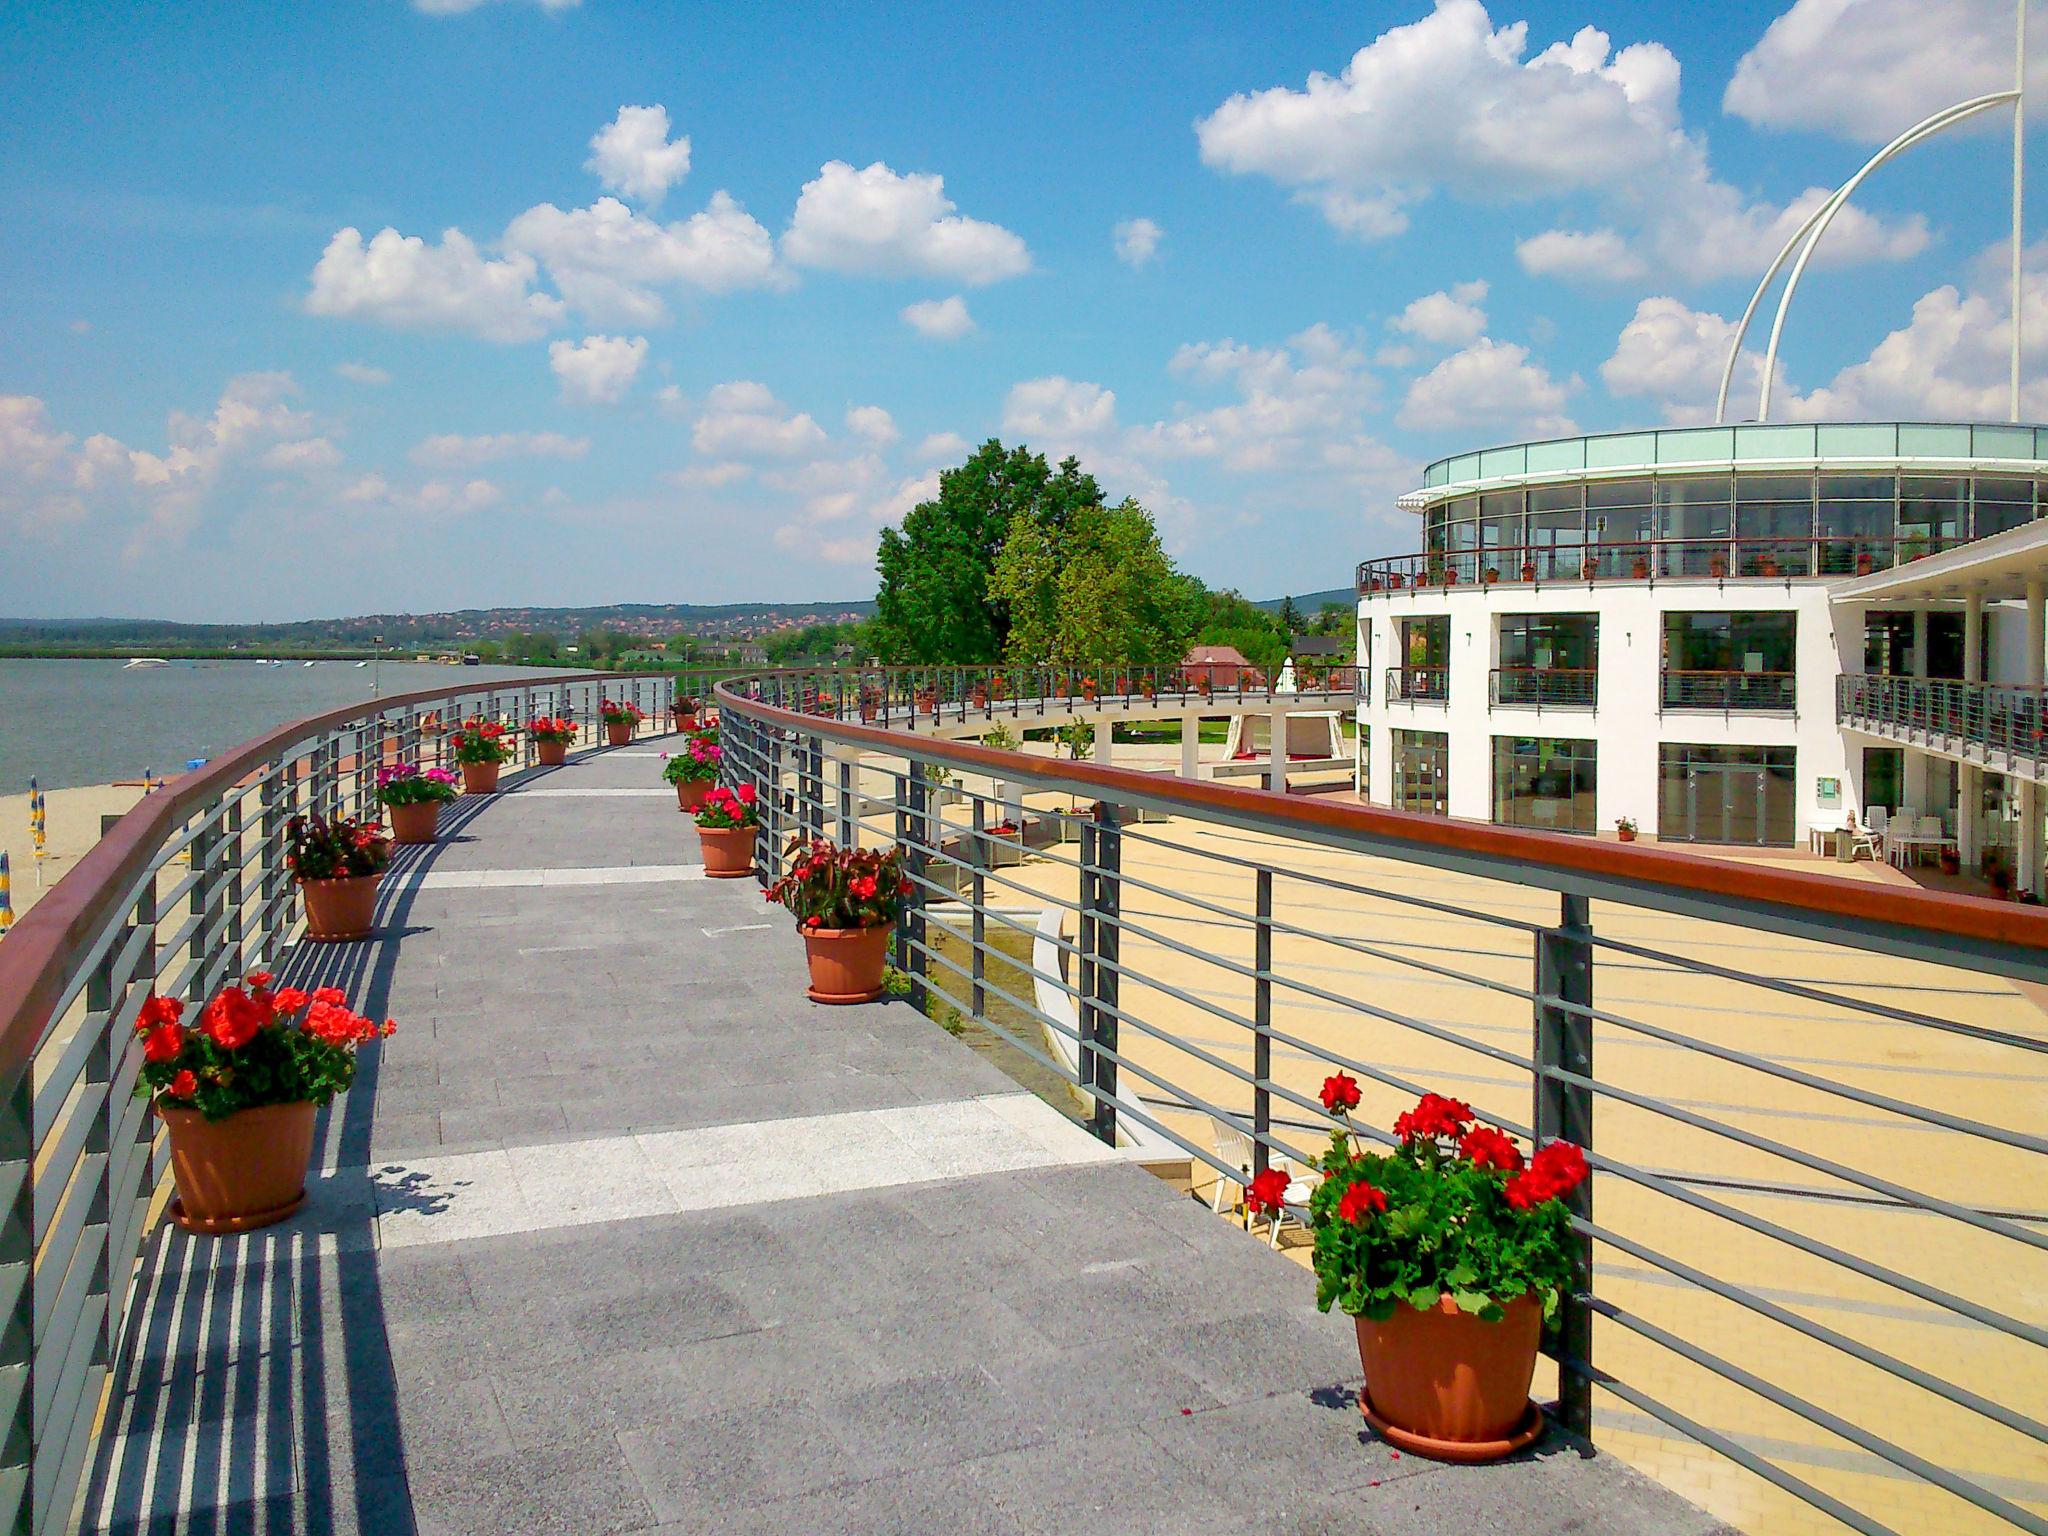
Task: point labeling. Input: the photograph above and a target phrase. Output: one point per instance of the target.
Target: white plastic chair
(1879, 819)
(1235, 1148)
(1301, 1183)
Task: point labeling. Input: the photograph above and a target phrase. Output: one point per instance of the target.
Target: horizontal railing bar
(1815, 1248)
(1905, 1195)
(1763, 1064)
(1814, 1414)
(1819, 1332)
(1814, 995)
(1733, 1449)
(56, 1089)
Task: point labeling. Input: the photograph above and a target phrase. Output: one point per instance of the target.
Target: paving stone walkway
(621, 1234)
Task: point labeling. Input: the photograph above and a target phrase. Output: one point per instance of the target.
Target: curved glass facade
(1731, 523)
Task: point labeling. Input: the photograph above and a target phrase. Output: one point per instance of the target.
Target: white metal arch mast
(1807, 236)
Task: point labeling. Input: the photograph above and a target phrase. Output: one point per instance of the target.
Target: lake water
(91, 722)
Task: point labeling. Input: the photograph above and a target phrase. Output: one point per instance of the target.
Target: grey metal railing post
(917, 824)
(200, 903)
(231, 853)
(1100, 892)
(977, 906)
(1262, 1021)
(1564, 1111)
(848, 835)
(17, 1334)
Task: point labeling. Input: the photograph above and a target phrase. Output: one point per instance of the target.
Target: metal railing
(1773, 693)
(1767, 1193)
(1993, 718)
(919, 696)
(186, 891)
(1545, 687)
(1418, 685)
(1727, 557)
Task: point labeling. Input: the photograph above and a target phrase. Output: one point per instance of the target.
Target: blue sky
(1253, 265)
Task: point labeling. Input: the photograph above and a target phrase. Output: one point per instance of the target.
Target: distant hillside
(407, 631)
(1309, 602)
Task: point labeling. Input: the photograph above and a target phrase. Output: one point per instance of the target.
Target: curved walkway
(620, 1234)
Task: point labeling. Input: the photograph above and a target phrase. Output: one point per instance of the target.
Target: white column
(2031, 870)
(1104, 735)
(1276, 769)
(1190, 745)
(1969, 778)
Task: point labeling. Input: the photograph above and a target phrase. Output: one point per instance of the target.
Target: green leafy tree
(1099, 590)
(934, 603)
(1334, 619)
(1290, 618)
(1234, 620)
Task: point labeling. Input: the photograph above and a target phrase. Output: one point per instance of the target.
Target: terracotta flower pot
(617, 732)
(480, 778)
(728, 851)
(240, 1173)
(551, 754)
(690, 793)
(340, 909)
(685, 722)
(415, 823)
(1444, 1383)
(1625, 834)
(846, 963)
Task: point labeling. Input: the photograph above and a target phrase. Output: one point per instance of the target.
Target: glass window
(1931, 513)
(2002, 504)
(1557, 530)
(1545, 783)
(1693, 517)
(1855, 533)
(1548, 660)
(1621, 517)
(1730, 661)
(1500, 525)
(1774, 516)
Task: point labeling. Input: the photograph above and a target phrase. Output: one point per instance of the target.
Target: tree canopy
(934, 602)
(1098, 589)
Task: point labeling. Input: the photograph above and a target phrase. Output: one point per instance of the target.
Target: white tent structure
(1314, 738)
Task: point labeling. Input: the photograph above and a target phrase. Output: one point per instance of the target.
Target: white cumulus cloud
(1490, 384)
(1448, 317)
(1867, 69)
(450, 450)
(362, 373)
(609, 262)
(941, 319)
(1137, 241)
(598, 370)
(403, 282)
(1062, 409)
(1453, 105)
(882, 224)
(634, 156)
(1674, 355)
(873, 424)
(744, 420)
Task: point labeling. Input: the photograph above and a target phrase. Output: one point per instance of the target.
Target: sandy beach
(73, 827)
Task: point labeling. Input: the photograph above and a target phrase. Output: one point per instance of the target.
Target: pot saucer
(1526, 1433)
(841, 997)
(225, 1226)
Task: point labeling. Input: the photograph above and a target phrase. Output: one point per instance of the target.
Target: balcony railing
(1991, 717)
(1763, 693)
(1545, 687)
(1190, 984)
(1418, 685)
(1715, 559)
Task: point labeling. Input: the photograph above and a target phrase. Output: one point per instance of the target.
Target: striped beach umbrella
(6, 893)
(38, 826)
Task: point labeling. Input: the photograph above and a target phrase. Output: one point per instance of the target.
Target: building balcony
(1754, 693)
(1647, 560)
(1544, 688)
(1418, 685)
(1997, 724)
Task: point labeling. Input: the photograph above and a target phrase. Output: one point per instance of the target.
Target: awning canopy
(1998, 567)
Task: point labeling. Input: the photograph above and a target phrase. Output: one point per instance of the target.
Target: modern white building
(1731, 634)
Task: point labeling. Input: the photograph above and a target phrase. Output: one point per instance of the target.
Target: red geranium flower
(259, 978)
(330, 995)
(164, 1043)
(1340, 1092)
(289, 999)
(157, 1010)
(1267, 1191)
(232, 1019)
(1489, 1148)
(1433, 1116)
(183, 1086)
(1360, 1201)
(1555, 1171)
